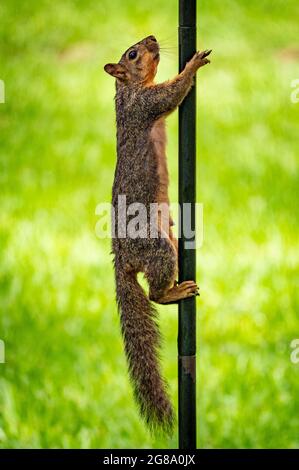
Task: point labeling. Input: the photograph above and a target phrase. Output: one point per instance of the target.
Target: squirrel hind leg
(161, 274)
(161, 269)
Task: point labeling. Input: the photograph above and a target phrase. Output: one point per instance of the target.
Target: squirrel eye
(132, 55)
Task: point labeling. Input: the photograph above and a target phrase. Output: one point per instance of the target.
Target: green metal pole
(187, 259)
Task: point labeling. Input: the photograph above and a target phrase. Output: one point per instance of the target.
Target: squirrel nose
(151, 38)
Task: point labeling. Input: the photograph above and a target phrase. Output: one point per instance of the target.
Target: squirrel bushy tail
(142, 340)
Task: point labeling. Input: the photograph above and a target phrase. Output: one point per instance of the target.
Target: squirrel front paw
(199, 60)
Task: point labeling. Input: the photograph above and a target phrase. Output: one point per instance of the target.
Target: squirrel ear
(116, 70)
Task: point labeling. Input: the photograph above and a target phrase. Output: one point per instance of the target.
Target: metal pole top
(187, 13)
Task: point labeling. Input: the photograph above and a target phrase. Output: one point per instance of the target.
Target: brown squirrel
(141, 175)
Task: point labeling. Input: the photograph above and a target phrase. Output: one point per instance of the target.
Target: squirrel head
(138, 64)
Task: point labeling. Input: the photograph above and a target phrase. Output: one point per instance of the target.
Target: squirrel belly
(158, 136)
(141, 175)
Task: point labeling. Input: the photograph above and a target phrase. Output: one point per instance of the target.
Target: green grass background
(64, 383)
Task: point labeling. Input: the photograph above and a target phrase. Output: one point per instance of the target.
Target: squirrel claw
(184, 290)
(200, 59)
(205, 53)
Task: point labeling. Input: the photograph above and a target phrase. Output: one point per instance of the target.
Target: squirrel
(141, 176)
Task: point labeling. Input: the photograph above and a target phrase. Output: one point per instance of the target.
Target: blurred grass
(64, 383)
